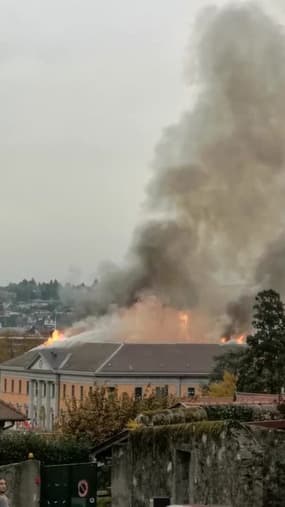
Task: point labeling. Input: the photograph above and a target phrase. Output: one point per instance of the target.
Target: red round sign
(83, 488)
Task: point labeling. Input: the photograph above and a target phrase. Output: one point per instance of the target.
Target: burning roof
(107, 359)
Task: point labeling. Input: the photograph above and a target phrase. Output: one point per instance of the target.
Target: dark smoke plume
(216, 198)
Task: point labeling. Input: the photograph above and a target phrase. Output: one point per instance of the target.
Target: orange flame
(55, 337)
(240, 340)
(184, 319)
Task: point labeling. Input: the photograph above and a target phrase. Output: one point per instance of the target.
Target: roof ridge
(173, 344)
(109, 358)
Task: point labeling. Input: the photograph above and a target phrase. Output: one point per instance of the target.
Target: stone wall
(121, 473)
(23, 483)
(211, 463)
(273, 444)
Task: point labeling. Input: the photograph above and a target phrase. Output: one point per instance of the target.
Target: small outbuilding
(9, 416)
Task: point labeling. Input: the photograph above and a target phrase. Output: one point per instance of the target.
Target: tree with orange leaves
(103, 414)
(226, 387)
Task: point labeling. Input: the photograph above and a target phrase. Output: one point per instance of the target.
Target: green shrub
(15, 447)
(104, 501)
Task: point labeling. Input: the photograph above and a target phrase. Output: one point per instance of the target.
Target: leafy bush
(102, 415)
(172, 416)
(15, 447)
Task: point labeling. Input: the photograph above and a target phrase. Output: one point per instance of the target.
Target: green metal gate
(69, 485)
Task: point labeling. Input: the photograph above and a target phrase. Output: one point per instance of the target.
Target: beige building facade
(40, 382)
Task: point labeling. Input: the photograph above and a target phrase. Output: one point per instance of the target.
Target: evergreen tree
(229, 361)
(263, 367)
(260, 366)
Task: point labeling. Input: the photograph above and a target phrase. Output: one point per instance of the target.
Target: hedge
(242, 413)
(15, 447)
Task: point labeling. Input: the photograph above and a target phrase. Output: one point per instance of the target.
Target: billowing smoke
(271, 267)
(147, 320)
(216, 198)
(239, 313)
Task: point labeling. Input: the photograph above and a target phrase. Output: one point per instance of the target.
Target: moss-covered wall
(273, 444)
(220, 463)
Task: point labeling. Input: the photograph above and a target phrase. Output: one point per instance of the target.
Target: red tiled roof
(258, 398)
(204, 400)
(241, 399)
(275, 425)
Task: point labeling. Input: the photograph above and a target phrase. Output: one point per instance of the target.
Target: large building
(40, 381)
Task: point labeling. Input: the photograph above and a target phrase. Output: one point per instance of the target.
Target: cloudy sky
(86, 89)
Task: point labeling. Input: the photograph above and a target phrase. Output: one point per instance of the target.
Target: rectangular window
(53, 390)
(20, 387)
(64, 391)
(191, 392)
(5, 385)
(73, 391)
(90, 390)
(44, 389)
(138, 393)
(28, 387)
(81, 393)
(12, 385)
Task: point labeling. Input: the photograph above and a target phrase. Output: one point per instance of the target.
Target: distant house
(9, 416)
(41, 380)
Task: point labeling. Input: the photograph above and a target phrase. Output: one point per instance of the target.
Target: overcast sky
(86, 89)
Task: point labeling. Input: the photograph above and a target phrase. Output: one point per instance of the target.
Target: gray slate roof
(22, 361)
(90, 356)
(128, 359)
(163, 358)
